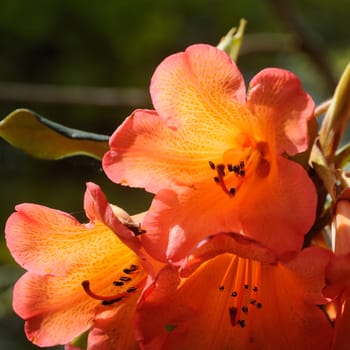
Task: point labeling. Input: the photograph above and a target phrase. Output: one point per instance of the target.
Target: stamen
(237, 169)
(228, 270)
(244, 276)
(220, 168)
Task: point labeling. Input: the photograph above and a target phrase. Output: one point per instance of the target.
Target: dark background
(117, 44)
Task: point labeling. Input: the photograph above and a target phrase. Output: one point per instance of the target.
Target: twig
(97, 96)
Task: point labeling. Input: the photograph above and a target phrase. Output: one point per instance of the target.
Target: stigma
(127, 283)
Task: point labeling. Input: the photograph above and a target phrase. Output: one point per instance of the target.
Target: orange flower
(216, 158)
(233, 294)
(80, 276)
(338, 274)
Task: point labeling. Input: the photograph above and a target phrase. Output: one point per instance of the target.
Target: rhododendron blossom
(338, 274)
(232, 294)
(80, 276)
(217, 157)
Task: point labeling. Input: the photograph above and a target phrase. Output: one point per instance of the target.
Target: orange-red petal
(277, 211)
(194, 313)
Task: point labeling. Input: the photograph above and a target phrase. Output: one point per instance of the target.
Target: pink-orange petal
(49, 303)
(146, 153)
(99, 210)
(194, 314)
(280, 211)
(38, 237)
(277, 211)
(197, 85)
(283, 109)
(53, 314)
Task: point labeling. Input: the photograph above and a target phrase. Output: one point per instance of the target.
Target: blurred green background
(74, 45)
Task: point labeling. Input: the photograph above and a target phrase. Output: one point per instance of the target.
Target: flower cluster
(232, 253)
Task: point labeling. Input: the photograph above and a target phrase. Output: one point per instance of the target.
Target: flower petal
(195, 87)
(282, 210)
(283, 109)
(48, 303)
(266, 211)
(113, 329)
(146, 153)
(38, 236)
(72, 267)
(222, 243)
(342, 228)
(178, 315)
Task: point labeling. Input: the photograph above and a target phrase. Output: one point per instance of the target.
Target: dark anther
(216, 179)
(246, 286)
(241, 323)
(241, 164)
(234, 294)
(130, 270)
(259, 305)
(245, 309)
(125, 279)
(233, 313)
(255, 289)
(229, 167)
(109, 302)
(236, 169)
(118, 283)
(221, 288)
(212, 165)
(221, 169)
(132, 289)
(232, 191)
(242, 173)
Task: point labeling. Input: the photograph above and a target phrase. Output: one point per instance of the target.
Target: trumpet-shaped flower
(233, 294)
(216, 156)
(80, 276)
(338, 274)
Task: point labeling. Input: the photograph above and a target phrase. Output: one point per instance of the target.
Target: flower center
(241, 281)
(240, 164)
(127, 283)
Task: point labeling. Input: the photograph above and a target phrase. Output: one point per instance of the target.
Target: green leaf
(81, 341)
(231, 42)
(44, 139)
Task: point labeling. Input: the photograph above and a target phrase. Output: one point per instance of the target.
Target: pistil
(123, 283)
